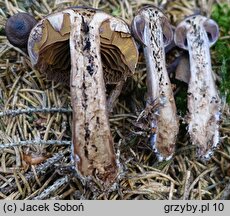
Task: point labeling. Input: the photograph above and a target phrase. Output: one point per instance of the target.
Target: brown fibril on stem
(196, 34)
(93, 49)
(152, 29)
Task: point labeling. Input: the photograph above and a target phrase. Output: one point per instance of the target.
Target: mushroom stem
(159, 87)
(93, 149)
(111, 101)
(163, 120)
(203, 99)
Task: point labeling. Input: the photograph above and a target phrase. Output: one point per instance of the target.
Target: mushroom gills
(54, 54)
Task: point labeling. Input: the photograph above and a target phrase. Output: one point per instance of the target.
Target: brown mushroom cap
(49, 50)
(18, 29)
(209, 25)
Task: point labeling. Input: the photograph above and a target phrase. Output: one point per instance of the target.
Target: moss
(181, 99)
(221, 14)
(116, 12)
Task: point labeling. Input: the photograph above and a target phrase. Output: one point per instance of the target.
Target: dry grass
(35, 126)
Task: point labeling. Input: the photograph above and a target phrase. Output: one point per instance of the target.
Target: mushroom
(182, 68)
(18, 28)
(197, 34)
(91, 49)
(152, 29)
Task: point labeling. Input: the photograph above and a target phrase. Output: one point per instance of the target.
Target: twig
(172, 189)
(198, 178)
(65, 194)
(186, 185)
(35, 142)
(151, 174)
(34, 110)
(114, 95)
(41, 169)
(50, 190)
(226, 193)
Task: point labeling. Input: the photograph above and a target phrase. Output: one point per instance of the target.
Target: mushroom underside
(54, 59)
(86, 50)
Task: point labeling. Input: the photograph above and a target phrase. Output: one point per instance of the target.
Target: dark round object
(18, 29)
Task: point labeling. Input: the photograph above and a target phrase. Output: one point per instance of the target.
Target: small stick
(40, 170)
(35, 142)
(226, 193)
(34, 110)
(52, 189)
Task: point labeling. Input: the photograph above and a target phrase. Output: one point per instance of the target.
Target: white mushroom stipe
(152, 29)
(196, 34)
